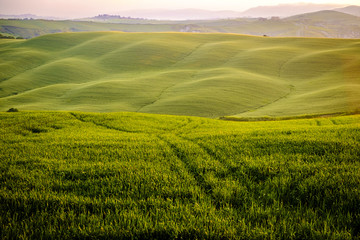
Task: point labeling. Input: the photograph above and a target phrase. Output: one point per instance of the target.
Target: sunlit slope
(209, 75)
(75, 175)
(326, 80)
(34, 28)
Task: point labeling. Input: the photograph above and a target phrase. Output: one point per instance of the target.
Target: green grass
(74, 175)
(329, 24)
(34, 28)
(208, 75)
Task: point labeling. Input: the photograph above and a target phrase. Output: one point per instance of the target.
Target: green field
(34, 28)
(73, 175)
(327, 24)
(118, 134)
(207, 75)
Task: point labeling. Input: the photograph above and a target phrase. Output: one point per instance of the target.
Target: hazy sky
(83, 8)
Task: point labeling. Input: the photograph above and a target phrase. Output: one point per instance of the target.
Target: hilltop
(327, 23)
(353, 10)
(209, 75)
(286, 10)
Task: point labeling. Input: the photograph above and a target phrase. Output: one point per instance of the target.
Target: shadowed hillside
(208, 75)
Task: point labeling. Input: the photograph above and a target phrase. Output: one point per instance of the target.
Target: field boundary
(270, 118)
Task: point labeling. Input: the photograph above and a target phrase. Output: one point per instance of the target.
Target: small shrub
(6, 37)
(13, 110)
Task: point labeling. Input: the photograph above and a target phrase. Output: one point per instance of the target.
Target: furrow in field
(103, 125)
(157, 98)
(188, 156)
(187, 55)
(195, 160)
(200, 164)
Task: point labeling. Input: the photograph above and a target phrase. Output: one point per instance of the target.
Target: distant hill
(326, 16)
(26, 16)
(209, 75)
(281, 10)
(180, 14)
(353, 10)
(327, 23)
(330, 24)
(106, 17)
(286, 10)
(21, 16)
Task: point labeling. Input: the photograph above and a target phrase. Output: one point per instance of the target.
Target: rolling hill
(34, 28)
(329, 24)
(353, 10)
(209, 75)
(281, 10)
(180, 14)
(286, 10)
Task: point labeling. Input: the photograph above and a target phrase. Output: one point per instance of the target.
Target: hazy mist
(86, 8)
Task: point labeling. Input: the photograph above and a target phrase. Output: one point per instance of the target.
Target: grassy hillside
(141, 176)
(34, 28)
(208, 75)
(329, 24)
(353, 10)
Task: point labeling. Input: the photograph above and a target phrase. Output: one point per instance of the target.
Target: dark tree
(13, 110)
